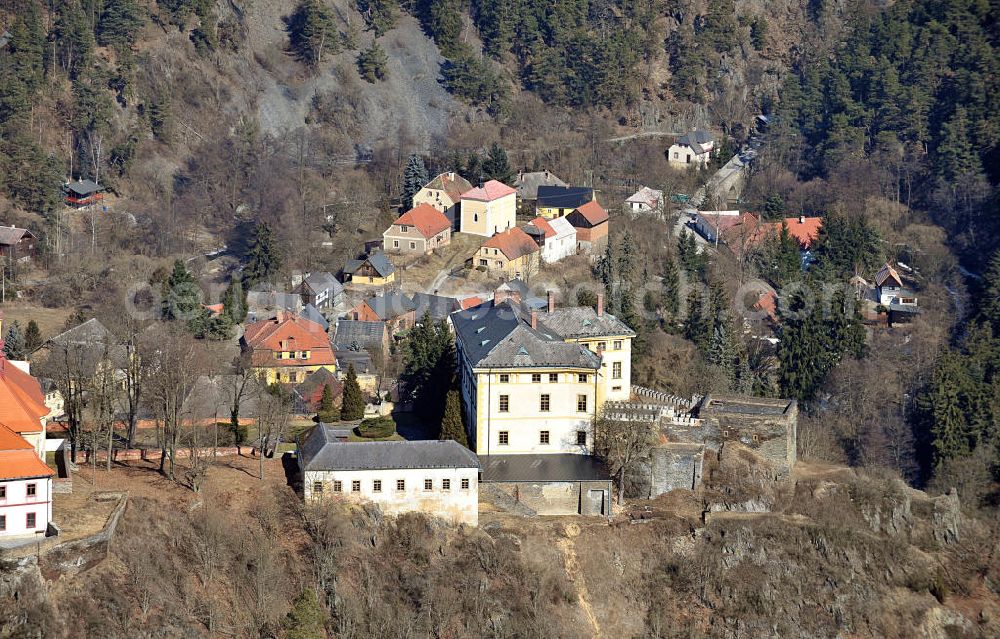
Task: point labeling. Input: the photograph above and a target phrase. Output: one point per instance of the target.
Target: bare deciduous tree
(622, 443)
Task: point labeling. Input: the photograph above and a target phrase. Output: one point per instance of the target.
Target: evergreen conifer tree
(32, 337)
(697, 326)
(414, 178)
(120, 23)
(989, 304)
(452, 426)
(234, 301)
(13, 346)
(496, 166)
(312, 32)
(373, 63)
(353, 402)
(263, 260)
(182, 296)
(671, 288)
(306, 619)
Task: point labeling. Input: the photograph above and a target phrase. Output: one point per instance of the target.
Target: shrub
(376, 428)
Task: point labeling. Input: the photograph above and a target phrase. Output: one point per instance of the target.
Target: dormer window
(404, 228)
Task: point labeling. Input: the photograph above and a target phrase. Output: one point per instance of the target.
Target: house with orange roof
(512, 253)
(489, 209)
(444, 193)
(286, 348)
(25, 488)
(591, 223)
(420, 230)
(556, 237)
(22, 404)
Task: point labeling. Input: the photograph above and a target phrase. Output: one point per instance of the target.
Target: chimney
(534, 319)
(802, 219)
(499, 297)
(451, 176)
(600, 304)
(552, 301)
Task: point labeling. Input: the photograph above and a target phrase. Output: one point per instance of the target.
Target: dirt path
(568, 549)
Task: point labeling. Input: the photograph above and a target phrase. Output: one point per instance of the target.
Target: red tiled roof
(886, 273)
(488, 192)
(451, 183)
(593, 212)
(768, 302)
(426, 219)
(9, 440)
(22, 404)
(299, 333)
(471, 302)
(22, 464)
(513, 243)
(805, 231)
(543, 224)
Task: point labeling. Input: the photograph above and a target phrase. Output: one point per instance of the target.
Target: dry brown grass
(50, 320)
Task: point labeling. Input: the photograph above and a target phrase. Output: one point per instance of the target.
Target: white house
(25, 488)
(645, 201)
(438, 478)
(556, 237)
(692, 149)
(711, 223)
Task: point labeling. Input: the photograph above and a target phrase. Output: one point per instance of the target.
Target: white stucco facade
(562, 244)
(453, 493)
(19, 500)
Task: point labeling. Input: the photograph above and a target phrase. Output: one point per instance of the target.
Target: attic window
(586, 322)
(480, 329)
(522, 351)
(484, 342)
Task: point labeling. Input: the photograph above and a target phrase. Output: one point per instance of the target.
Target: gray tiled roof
(90, 333)
(494, 336)
(695, 139)
(582, 321)
(378, 260)
(323, 281)
(390, 305)
(84, 187)
(539, 468)
(321, 450)
(527, 183)
(360, 360)
(312, 314)
(10, 235)
(353, 335)
(438, 306)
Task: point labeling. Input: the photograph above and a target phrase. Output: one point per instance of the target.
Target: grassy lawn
(50, 320)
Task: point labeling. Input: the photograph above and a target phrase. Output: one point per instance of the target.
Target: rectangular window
(317, 487)
(30, 523)
(400, 484)
(581, 403)
(428, 484)
(543, 437)
(504, 378)
(338, 486)
(618, 344)
(582, 378)
(445, 484)
(32, 490)
(413, 245)
(356, 486)
(543, 404)
(3, 492)
(581, 438)
(377, 485)
(616, 370)
(536, 378)
(483, 263)
(553, 378)
(3, 522)
(395, 244)
(504, 403)
(504, 438)
(602, 346)
(465, 484)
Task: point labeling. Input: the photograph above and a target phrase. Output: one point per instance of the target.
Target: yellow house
(374, 269)
(560, 201)
(489, 209)
(529, 380)
(287, 348)
(512, 253)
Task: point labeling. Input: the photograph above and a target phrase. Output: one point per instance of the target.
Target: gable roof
(84, 187)
(593, 212)
(10, 235)
(425, 218)
(527, 184)
(488, 192)
(697, 140)
(323, 280)
(89, 333)
(279, 300)
(470, 302)
(564, 197)
(541, 225)
(20, 463)
(451, 183)
(500, 336)
(888, 274)
(22, 404)
(356, 335)
(316, 380)
(438, 306)
(378, 261)
(320, 450)
(391, 305)
(562, 227)
(513, 243)
(645, 195)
